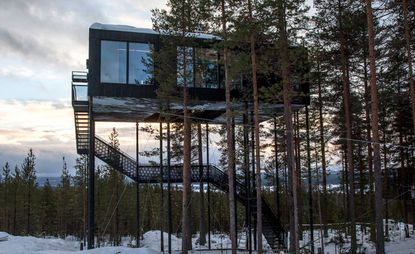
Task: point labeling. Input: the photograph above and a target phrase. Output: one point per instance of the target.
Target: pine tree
(17, 201)
(180, 20)
(48, 210)
(80, 183)
(6, 184)
(380, 242)
(64, 201)
(29, 183)
(116, 181)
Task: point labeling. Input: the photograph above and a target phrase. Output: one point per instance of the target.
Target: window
(139, 63)
(189, 67)
(113, 62)
(207, 70)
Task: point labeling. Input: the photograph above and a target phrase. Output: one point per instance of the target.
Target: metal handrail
(127, 165)
(79, 79)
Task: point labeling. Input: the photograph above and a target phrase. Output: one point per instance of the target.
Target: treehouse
(123, 82)
(137, 75)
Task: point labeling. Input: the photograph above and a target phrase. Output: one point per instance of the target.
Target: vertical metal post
(208, 183)
(91, 178)
(253, 173)
(277, 179)
(137, 183)
(169, 188)
(247, 181)
(234, 182)
(310, 190)
(161, 189)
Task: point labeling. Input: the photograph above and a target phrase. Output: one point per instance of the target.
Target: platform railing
(79, 88)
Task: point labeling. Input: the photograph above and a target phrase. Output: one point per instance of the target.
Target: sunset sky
(41, 42)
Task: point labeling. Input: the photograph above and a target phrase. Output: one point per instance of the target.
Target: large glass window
(189, 67)
(139, 63)
(207, 69)
(113, 62)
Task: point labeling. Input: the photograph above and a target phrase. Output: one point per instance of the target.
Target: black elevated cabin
(122, 86)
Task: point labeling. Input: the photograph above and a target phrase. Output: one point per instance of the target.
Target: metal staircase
(81, 110)
(272, 229)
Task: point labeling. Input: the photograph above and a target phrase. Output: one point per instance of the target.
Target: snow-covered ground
(34, 245)
(9, 244)
(336, 242)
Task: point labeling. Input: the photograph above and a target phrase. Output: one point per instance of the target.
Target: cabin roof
(132, 29)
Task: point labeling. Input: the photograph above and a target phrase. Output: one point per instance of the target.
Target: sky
(41, 42)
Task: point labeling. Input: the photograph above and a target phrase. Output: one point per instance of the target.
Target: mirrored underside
(129, 109)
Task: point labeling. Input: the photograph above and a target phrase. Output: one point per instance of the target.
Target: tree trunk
(323, 155)
(256, 128)
(287, 90)
(348, 125)
(380, 241)
(229, 136)
(369, 151)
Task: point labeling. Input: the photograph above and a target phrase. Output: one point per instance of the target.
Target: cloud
(56, 32)
(48, 128)
(45, 126)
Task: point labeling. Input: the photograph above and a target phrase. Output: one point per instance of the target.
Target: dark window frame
(127, 67)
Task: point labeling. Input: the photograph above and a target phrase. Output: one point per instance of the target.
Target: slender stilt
(161, 189)
(137, 184)
(91, 179)
(310, 190)
(247, 180)
(234, 185)
(169, 208)
(253, 174)
(208, 183)
(277, 179)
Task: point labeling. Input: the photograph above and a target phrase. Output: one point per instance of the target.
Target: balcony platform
(130, 109)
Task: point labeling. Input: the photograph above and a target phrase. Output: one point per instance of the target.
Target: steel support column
(161, 189)
(253, 174)
(91, 179)
(137, 184)
(169, 205)
(208, 182)
(277, 179)
(234, 181)
(310, 190)
(247, 181)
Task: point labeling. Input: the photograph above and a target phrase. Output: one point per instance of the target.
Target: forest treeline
(27, 208)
